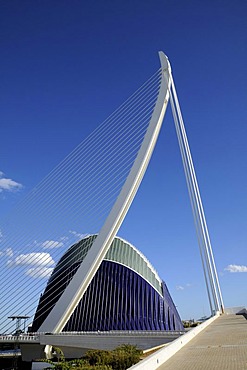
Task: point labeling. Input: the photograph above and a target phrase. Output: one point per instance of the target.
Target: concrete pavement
(222, 346)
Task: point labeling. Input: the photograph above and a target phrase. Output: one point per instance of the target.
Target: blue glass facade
(129, 303)
(118, 298)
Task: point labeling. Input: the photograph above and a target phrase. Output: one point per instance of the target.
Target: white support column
(210, 273)
(192, 200)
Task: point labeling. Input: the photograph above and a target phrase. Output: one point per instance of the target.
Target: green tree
(98, 357)
(59, 354)
(125, 356)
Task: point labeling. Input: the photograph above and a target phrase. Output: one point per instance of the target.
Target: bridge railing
(19, 338)
(119, 332)
(35, 337)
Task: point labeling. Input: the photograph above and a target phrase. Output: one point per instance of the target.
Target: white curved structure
(125, 294)
(65, 306)
(69, 300)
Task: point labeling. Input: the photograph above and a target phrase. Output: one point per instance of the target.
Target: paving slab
(222, 346)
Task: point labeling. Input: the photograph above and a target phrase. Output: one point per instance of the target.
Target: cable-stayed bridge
(92, 190)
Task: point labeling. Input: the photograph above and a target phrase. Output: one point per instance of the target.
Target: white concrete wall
(40, 365)
(158, 358)
(71, 344)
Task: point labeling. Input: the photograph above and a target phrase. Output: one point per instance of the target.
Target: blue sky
(66, 65)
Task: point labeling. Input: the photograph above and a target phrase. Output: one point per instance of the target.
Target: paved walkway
(222, 346)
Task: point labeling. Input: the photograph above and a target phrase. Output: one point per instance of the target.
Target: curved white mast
(70, 298)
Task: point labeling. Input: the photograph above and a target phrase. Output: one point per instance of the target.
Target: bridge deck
(222, 345)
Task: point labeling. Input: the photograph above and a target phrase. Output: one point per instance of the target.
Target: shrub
(121, 358)
(125, 356)
(98, 357)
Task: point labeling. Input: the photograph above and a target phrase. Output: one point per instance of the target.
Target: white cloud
(78, 235)
(7, 252)
(236, 268)
(183, 287)
(64, 238)
(33, 259)
(50, 244)
(179, 287)
(39, 272)
(8, 184)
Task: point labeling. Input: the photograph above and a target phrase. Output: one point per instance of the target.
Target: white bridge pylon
(66, 304)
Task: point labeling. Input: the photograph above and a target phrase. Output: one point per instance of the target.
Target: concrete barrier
(155, 360)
